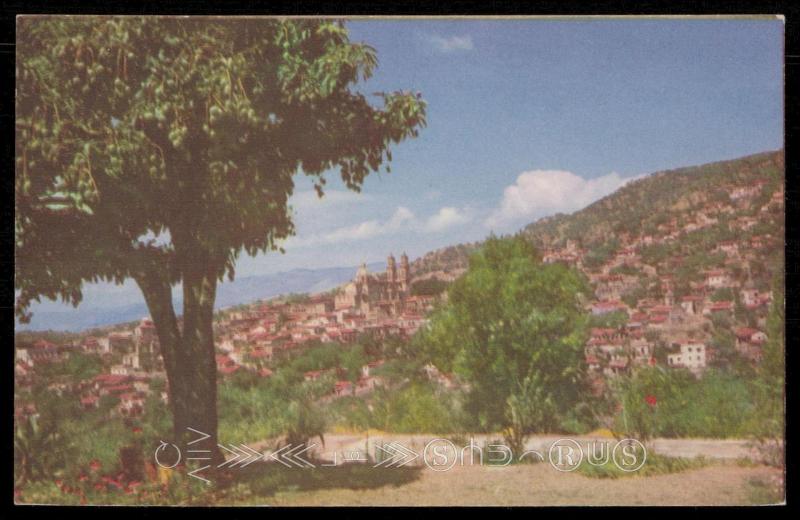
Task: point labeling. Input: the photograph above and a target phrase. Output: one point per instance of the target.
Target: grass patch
(655, 464)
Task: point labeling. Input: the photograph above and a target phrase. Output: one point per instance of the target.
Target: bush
(673, 403)
(654, 464)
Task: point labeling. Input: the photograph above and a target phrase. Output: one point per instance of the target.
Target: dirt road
(540, 485)
(724, 481)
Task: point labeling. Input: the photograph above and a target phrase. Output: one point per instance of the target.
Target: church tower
(391, 277)
(404, 273)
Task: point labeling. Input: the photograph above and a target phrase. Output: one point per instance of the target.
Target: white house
(692, 355)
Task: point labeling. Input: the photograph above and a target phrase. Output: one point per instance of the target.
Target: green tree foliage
(160, 149)
(724, 294)
(513, 329)
(77, 366)
(303, 421)
(428, 287)
(601, 254)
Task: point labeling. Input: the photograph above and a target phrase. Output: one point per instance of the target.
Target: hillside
(664, 203)
(644, 204)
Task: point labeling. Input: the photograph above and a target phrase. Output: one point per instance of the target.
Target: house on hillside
(750, 343)
(692, 304)
(691, 355)
(718, 279)
(618, 364)
(642, 351)
(729, 248)
(131, 404)
(722, 307)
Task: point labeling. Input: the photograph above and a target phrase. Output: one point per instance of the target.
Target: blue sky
(531, 117)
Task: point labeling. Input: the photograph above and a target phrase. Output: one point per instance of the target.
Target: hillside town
(646, 311)
(663, 320)
(251, 340)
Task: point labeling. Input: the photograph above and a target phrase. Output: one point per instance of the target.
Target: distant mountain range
(104, 306)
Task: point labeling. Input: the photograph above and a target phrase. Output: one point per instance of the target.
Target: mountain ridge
(593, 224)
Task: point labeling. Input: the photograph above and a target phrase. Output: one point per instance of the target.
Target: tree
(160, 149)
(770, 384)
(514, 330)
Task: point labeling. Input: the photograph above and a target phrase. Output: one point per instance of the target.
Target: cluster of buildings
(681, 325)
(379, 305)
(132, 359)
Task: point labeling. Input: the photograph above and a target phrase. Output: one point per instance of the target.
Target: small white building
(718, 279)
(692, 355)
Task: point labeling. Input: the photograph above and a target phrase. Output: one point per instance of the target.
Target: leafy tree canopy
(514, 330)
(157, 142)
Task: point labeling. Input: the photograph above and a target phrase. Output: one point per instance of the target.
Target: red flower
(98, 486)
(82, 477)
(94, 465)
(651, 400)
(136, 429)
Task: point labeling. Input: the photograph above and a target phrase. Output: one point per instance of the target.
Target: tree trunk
(198, 375)
(189, 362)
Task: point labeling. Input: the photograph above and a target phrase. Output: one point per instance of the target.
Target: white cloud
(446, 218)
(402, 220)
(538, 193)
(401, 216)
(451, 44)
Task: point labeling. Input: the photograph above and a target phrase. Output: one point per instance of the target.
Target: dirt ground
(540, 485)
(724, 481)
